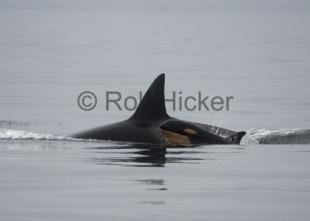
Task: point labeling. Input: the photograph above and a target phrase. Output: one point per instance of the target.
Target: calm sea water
(256, 51)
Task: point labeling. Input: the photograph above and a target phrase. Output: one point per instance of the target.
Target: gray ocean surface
(256, 51)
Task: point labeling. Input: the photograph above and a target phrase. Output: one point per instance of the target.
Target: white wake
(10, 134)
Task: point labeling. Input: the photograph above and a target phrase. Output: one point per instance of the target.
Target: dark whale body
(150, 124)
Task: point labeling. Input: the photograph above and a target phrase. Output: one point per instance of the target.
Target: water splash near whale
(277, 136)
(11, 134)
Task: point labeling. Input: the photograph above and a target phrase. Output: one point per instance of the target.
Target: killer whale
(150, 124)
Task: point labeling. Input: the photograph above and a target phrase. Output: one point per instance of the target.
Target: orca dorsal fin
(152, 105)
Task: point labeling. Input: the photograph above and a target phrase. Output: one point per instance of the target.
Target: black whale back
(151, 124)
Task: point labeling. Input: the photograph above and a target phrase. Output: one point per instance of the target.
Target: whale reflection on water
(137, 155)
